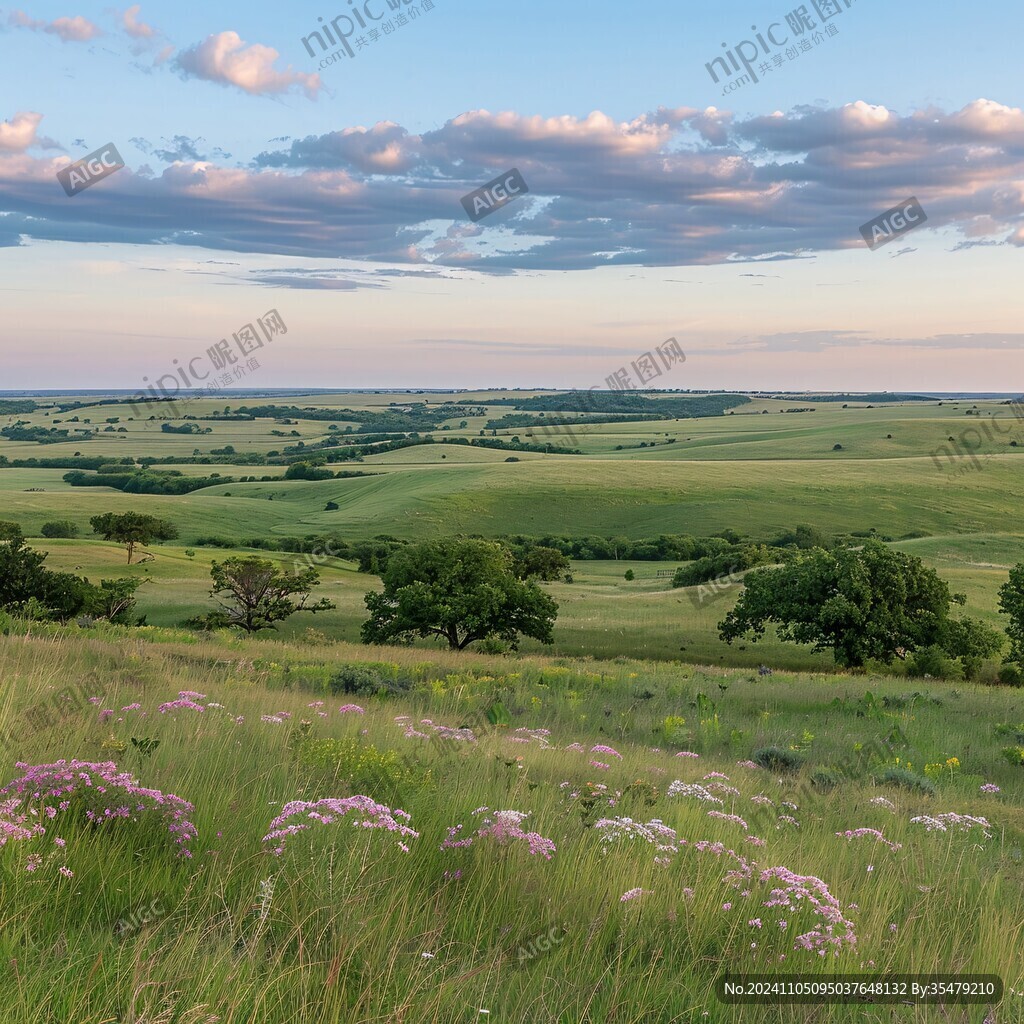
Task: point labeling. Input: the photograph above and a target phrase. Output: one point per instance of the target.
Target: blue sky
(658, 207)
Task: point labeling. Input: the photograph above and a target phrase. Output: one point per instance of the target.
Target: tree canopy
(131, 528)
(872, 603)
(255, 593)
(461, 591)
(1011, 603)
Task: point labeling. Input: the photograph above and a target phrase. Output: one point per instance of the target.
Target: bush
(59, 528)
(1014, 755)
(1011, 674)
(901, 778)
(493, 645)
(826, 779)
(382, 775)
(629, 575)
(776, 759)
(932, 661)
(364, 681)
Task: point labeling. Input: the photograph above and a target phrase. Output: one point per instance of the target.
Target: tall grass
(346, 926)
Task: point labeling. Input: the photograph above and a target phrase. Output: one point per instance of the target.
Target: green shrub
(361, 768)
(1014, 755)
(901, 778)
(364, 681)
(1011, 674)
(826, 779)
(932, 661)
(777, 759)
(59, 528)
(493, 645)
(1011, 731)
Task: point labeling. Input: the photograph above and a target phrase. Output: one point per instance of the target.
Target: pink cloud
(69, 30)
(133, 26)
(19, 133)
(226, 59)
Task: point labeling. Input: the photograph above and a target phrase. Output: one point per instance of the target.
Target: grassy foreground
(344, 925)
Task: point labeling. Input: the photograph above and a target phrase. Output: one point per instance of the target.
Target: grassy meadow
(345, 925)
(602, 830)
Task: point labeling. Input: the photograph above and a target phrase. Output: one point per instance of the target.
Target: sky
(661, 203)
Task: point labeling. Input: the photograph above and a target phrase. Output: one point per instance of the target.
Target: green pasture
(759, 471)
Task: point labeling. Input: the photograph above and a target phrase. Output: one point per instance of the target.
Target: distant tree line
(146, 482)
(660, 407)
(185, 428)
(16, 406)
(41, 435)
(411, 416)
(516, 419)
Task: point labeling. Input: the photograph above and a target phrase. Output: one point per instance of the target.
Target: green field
(758, 470)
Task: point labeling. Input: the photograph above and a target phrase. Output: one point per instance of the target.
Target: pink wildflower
(183, 703)
(107, 795)
(368, 815)
(632, 894)
(857, 833)
(735, 819)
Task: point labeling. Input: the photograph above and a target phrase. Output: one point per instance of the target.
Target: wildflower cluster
(953, 822)
(504, 828)
(616, 831)
(187, 700)
(366, 814)
(525, 735)
(98, 793)
(632, 894)
(857, 833)
(431, 730)
(798, 891)
(190, 700)
(734, 819)
(693, 789)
